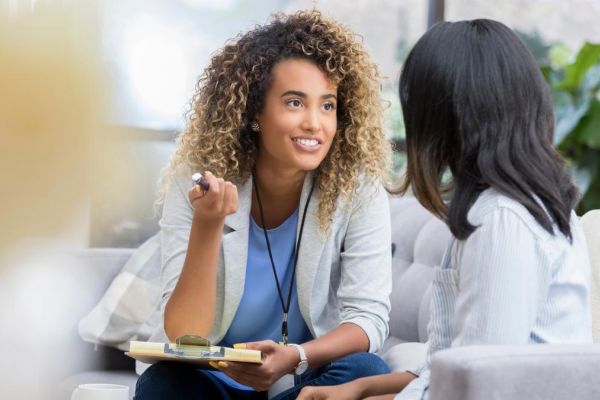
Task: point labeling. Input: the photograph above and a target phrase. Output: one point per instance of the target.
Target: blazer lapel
(311, 247)
(235, 254)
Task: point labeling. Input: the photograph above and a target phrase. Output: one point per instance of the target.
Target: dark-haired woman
(294, 225)
(516, 271)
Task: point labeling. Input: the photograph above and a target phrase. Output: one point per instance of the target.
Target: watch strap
(301, 351)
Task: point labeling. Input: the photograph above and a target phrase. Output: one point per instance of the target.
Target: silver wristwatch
(303, 364)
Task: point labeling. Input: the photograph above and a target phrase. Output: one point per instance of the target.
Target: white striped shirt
(509, 282)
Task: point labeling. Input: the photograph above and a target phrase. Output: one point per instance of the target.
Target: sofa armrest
(516, 372)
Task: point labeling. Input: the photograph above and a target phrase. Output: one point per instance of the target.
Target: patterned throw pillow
(129, 310)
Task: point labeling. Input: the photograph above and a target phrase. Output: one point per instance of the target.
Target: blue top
(259, 314)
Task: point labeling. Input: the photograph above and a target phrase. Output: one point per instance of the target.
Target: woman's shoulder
(178, 176)
(368, 200)
(370, 191)
(494, 207)
(509, 221)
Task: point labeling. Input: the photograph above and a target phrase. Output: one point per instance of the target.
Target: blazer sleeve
(175, 226)
(366, 259)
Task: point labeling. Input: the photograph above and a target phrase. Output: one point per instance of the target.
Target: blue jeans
(169, 380)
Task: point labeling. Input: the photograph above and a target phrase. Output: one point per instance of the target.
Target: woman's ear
(256, 123)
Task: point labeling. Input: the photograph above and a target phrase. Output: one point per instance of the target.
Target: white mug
(100, 391)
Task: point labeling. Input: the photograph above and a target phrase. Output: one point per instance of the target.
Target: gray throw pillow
(129, 310)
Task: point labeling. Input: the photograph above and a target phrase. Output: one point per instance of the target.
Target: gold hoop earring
(255, 127)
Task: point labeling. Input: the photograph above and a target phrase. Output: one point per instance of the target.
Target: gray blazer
(342, 276)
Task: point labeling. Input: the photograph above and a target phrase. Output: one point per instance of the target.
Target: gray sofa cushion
(419, 241)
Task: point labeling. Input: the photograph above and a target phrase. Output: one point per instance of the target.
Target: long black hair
(474, 101)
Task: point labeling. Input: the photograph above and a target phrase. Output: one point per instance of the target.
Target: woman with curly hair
(288, 248)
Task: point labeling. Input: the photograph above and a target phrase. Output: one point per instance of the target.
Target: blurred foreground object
(50, 106)
(49, 109)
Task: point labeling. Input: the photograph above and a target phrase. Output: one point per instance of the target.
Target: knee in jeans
(377, 365)
(368, 364)
(160, 378)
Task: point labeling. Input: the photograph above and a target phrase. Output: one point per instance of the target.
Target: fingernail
(223, 364)
(239, 346)
(214, 364)
(197, 188)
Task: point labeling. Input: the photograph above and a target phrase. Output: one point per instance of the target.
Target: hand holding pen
(200, 181)
(212, 198)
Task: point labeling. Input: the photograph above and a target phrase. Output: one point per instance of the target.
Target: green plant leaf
(583, 176)
(588, 129)
(591, 81)
(584, 170)
(591, 198)
(586, 58)
(576, 98)
(568, 113)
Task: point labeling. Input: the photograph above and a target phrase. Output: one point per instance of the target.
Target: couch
(418, 243)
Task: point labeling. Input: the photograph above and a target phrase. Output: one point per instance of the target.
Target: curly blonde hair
(232, 90)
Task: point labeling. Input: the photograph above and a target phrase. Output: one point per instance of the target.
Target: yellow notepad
(190, 349)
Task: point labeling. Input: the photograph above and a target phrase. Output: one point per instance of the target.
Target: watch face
(302, 367)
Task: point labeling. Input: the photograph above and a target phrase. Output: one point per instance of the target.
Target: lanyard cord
(285, 308)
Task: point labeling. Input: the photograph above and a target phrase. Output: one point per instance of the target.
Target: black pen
(200, 181)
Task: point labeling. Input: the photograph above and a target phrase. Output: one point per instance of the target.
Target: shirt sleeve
(365, 283)
(417, 389)
(502, 281)
(175, 226)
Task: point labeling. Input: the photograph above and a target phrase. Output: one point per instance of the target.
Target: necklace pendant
(284, 329)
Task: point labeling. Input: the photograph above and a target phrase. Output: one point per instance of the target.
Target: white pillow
(129, 310)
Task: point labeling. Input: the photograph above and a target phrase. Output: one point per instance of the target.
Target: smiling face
(299, 118)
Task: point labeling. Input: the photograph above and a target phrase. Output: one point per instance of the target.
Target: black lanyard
(285, 307)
